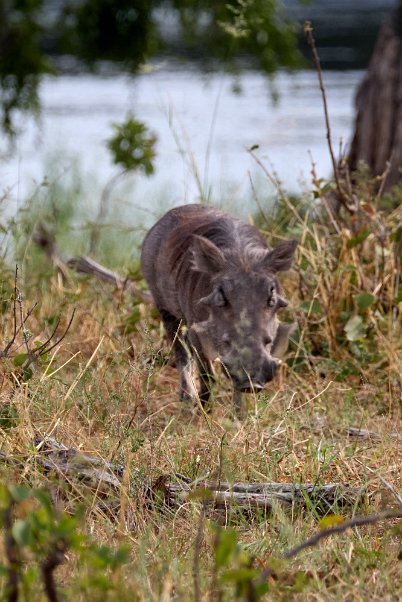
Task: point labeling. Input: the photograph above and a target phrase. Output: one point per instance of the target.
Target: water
(203, 131)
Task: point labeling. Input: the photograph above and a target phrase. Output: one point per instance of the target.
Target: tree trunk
(378, 128)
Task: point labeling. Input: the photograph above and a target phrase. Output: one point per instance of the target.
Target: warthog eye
(216, 298)
(272, 297)
(220, 299)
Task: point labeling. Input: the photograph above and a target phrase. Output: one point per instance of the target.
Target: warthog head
(241, 327)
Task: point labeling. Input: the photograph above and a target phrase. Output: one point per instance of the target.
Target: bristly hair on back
(225, 232)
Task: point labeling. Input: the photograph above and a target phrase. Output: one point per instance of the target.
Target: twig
(11, 341)
(22, 321)
(40, 347)
(391, 489)
(308, 30)
(357, 521)
(49, 565)
(59, 340)
(384, 177)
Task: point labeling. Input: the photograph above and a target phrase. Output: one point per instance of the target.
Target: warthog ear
(206, 256)
(280, 259)
(281, 341)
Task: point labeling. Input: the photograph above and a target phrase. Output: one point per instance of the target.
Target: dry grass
(109, 391)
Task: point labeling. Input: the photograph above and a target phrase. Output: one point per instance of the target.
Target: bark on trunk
(378, 129)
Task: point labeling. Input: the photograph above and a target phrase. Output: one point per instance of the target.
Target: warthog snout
(252, 381)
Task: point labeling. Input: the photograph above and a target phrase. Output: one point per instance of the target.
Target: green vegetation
(108, 391)
(127, 33)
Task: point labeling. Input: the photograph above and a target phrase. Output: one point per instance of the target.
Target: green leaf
(364, 300)
(20, 358)
(43, 496)
(21, 531)
(396, 235)
(19, 493)
(240, 575)
(27, 374)
(358, 239)
(8, 416)
(227, 545)
(106, 557)
(4, 498)
(355, 328)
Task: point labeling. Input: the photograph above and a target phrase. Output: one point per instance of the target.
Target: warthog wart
(216, 276)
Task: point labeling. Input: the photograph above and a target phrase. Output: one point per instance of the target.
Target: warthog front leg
(204, 365)
(183, 356)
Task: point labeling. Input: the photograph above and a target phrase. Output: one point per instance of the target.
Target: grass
(109, 390)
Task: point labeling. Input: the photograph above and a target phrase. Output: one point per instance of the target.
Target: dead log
(85, 265)
(254, 496)
(364, 433)
(65, 464)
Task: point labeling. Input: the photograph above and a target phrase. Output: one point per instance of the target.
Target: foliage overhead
(129, 33)
(22, 62)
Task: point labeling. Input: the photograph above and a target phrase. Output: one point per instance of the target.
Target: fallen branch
(356, 521)
(86, 265)
(254, 496)
(105, 478)
(358, 432)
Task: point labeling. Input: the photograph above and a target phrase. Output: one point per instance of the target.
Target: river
(204, 130)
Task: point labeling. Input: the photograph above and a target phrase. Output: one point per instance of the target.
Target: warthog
(215, 275)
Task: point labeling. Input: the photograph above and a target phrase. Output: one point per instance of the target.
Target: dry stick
(276, 183)
(397, 277)
(54, 559)
(59, 340)
(384, 482)
(308, 30)
(11, 341)
(357, 521)
(40, 347)
(391, 489)
(323, 198)
(22, 320)
(384, 177)
(16, 329)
